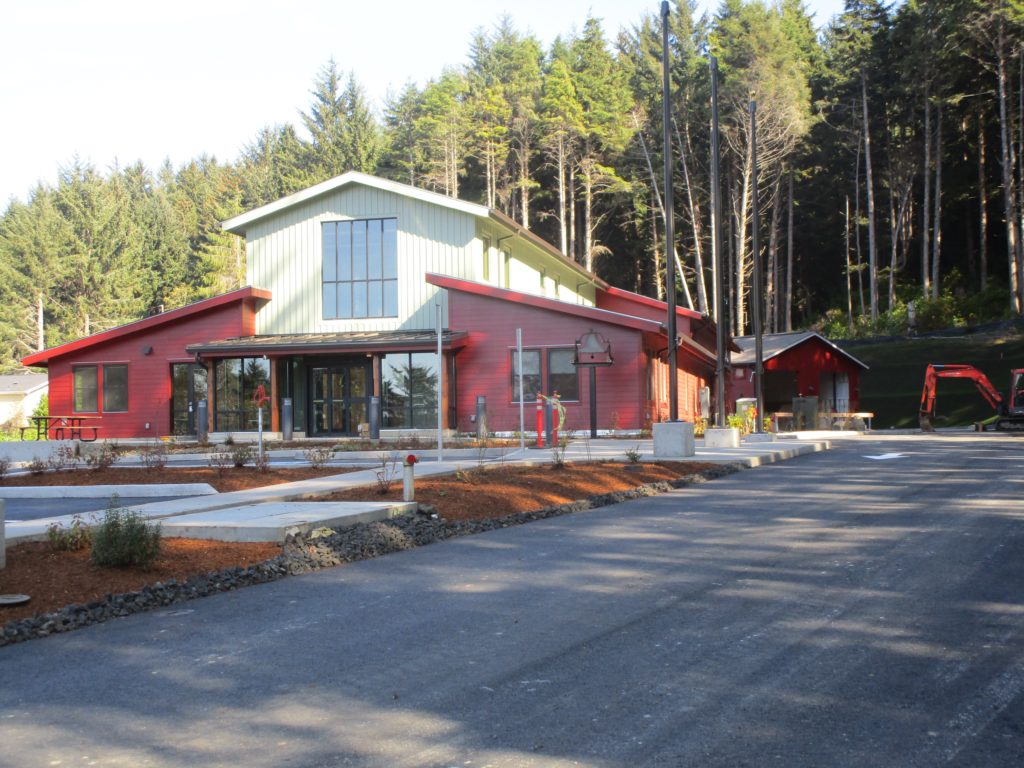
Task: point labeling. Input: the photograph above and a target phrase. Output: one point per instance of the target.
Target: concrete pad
(721, 437)
(274, 521)
(673, 439)
(104, 491)
(759, 437)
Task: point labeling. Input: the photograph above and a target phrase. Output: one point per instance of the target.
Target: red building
(139, 380)
(352, 277)
(801, 364)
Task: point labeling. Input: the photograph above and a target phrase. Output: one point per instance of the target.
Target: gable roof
(146, 323)
(239, 224)
(774, 344)
(22, 383)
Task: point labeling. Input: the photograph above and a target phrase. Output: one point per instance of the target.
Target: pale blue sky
(123, 80)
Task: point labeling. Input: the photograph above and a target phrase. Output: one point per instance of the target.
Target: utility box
(805, 413)
(744, 404)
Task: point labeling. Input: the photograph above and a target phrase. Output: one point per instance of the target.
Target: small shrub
(102, 459)
(71, 539)
(736, 421)
(261, 461)
(241, 455)
(155, 457)
(219, 460)
(229, 440)
(700, 426)
(464, 477)
(558, 453)
(633, 454)
(63, 458)
(37, 466)
(318, 457)
(125, 538)
(387, 472)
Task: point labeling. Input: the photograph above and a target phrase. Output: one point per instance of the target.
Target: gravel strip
(303, 554)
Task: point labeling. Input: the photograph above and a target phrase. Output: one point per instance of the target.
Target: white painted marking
(886, 456)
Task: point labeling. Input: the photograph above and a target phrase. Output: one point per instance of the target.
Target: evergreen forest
(889, 156)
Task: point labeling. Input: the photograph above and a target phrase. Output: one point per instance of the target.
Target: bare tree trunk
(926, 272)
(856, 231)
(40, 331)
(588, 213)
(659, 284)
(524, 182)
(982, 206)
(741, 242)
(849, 286)
(677, 262)
(1009, 163)
(695, 224)
(772, 299)
(869, 180)
(789, 256)
(562, 233)
(572, 212)
(937, 238)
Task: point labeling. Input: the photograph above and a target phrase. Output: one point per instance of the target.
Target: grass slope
(892, 388)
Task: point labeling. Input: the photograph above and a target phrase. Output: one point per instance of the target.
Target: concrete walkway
(269, 512)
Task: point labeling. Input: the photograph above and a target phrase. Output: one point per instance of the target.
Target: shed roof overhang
(367, 342)
(43, 358)
(650, 328)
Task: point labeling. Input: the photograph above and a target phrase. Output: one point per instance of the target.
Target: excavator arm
(934, 372)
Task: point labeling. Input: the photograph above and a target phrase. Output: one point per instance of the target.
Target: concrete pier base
(726, 437)
(673, 440)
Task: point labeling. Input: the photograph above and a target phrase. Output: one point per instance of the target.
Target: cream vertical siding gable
(284, 253)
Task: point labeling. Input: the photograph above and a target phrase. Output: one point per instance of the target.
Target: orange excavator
(1009, 410)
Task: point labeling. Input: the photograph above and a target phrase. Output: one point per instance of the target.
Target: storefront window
(409, 390)
(237, 380)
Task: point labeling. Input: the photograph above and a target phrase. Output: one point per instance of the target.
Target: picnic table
(64, 427)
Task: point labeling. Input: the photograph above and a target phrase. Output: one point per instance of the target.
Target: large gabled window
(360, 268)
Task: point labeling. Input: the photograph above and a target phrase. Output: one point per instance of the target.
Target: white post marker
(408, 479)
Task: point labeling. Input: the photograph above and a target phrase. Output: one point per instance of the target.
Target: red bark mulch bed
(56, 579)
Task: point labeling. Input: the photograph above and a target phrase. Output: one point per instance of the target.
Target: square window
(531, 375)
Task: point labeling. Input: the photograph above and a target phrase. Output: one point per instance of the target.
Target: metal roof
(320, 343)
(774, 344)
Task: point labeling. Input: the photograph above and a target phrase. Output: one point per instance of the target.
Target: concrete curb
(104, 491)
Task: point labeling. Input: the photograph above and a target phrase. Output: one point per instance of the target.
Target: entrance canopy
(330, 343)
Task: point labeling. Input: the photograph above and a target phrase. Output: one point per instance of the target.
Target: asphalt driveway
(832, 610)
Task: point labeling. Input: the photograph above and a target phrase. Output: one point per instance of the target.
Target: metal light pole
(716, 245)
(756, 290)
(670, 235)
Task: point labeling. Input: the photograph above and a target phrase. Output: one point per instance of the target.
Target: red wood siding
(149, 376)
(485, 365)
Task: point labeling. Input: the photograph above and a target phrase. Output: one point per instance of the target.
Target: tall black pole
(721, 321)
(670, 234)
(756, 288)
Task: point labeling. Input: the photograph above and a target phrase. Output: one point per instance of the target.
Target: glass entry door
(188, 387)
(340, 397)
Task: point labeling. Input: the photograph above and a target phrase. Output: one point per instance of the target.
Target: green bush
(125, 538)
(76, 536)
